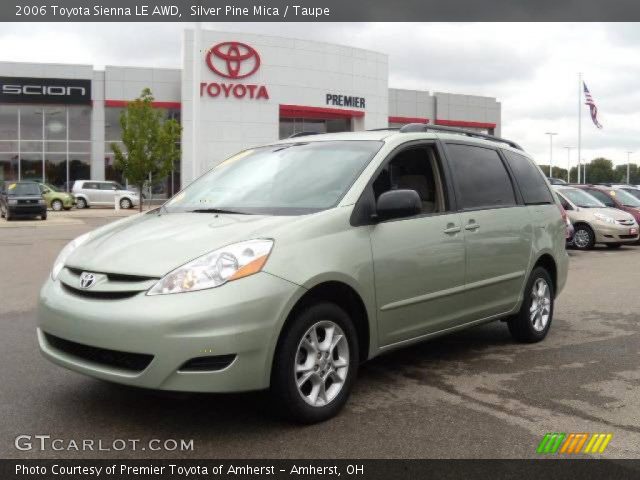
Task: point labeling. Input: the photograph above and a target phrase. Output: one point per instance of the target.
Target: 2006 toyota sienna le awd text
(287, 265)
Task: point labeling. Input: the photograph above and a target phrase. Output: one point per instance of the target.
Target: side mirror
(398, 204)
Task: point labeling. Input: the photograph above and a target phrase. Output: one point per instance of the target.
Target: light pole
(551, 134)
(568, 164)
(629, 168)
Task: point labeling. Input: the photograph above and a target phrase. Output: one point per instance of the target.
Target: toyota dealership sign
(233, 61)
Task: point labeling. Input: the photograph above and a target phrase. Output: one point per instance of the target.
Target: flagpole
(579, 122)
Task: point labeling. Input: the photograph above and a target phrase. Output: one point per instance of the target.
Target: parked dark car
(22, 199)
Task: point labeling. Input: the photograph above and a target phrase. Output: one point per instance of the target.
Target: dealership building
(234, 91)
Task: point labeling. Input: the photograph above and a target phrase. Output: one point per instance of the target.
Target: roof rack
(425, 127)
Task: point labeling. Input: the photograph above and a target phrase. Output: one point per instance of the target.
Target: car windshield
(288, 179)
(625, 198)
(581, 198)
(633, 191)
(51, 187)
(23, 189)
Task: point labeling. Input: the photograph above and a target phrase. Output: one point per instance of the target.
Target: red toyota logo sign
(233, 60)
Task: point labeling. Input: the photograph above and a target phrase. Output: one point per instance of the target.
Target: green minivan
(287, 265)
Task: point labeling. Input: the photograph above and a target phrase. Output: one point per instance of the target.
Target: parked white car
(103, 193)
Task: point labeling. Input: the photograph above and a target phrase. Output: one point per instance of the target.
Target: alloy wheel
(56, 205)
(581, 238)
(540, 309)
(322, 363)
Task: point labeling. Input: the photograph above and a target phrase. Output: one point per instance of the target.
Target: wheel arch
(346, 297)
(547, 262)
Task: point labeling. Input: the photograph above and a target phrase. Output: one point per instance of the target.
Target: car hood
(153, 244)
(609, 212)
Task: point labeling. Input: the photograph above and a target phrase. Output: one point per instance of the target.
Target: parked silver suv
(103, 193)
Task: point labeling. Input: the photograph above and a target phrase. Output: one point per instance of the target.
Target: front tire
(316, 364)
(584, 238)
(126, 204)
(56, 205)
(533, 321)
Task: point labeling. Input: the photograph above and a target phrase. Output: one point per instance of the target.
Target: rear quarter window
(529, 179)
(482, 179)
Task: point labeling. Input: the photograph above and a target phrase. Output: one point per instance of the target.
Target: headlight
(64, 254)
(604, 218)
(12, 201)
(216, 268)
(41, 201)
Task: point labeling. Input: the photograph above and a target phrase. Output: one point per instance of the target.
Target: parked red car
(615, 197)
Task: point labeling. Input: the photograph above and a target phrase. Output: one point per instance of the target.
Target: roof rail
(303, 134)
(425, 127)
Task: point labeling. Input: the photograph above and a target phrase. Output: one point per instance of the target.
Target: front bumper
(27, 210)
(241, 318)
(608, 233)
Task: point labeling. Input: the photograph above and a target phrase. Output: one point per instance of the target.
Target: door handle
(472, 226)
(452, 229)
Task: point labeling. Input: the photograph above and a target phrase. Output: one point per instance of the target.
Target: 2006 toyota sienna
(287, 265)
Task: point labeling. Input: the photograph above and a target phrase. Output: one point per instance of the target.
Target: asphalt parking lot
(475, 394)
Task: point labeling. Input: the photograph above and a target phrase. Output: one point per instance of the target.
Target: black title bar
(318, 10)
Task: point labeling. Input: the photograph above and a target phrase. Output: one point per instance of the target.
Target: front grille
(134, 362)
(97, 294)
(627, 236)
(116, 277)
(207, 364)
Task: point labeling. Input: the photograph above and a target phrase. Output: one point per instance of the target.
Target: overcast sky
(531, 68)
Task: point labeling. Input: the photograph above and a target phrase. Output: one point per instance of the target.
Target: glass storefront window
(31, 166)
(112, 130)
(55, 166)
(62, 132)
(30, 123)
(79, 123)
(55, 123)
(289, 126)
(8, 166)
(8, 146)
(79, 166)
(8, 122)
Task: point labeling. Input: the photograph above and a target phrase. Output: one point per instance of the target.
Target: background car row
(32, 199)
(601, 214)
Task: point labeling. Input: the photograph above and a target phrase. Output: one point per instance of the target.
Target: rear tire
(584, 238)
(315, 364)
(81, 203)
(613, 246)
(533, 321)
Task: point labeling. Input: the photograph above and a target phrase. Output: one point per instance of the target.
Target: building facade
(234, 91)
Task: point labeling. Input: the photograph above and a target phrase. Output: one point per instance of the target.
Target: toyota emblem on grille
(87, 280)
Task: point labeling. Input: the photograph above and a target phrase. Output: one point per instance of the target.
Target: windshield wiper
(216, 210)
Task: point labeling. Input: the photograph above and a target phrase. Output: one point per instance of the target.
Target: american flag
(592, 106)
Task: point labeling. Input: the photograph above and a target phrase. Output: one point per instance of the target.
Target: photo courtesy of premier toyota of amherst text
(242, 243)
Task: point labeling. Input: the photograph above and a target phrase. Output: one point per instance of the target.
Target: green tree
(600, 170)
(557, 171)
(634, 174)
(150, 140)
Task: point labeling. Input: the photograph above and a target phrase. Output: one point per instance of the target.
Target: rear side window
(529, 178)
(90, 186)
(481, 176)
